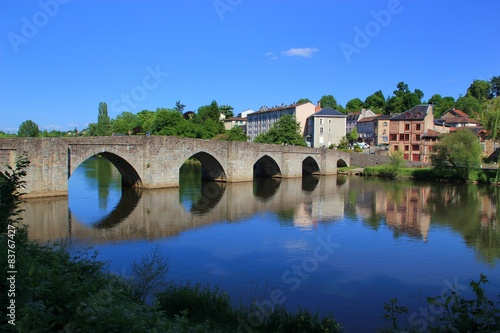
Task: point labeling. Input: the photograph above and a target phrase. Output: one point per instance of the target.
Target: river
(336, 244)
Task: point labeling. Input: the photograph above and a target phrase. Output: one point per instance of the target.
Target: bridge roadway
(154, 161)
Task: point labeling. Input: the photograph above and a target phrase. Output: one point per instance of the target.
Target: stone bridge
(154, 161)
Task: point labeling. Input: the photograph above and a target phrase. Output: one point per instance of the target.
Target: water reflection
(309, 182)
(128, 201)
(266, 188)
(408, 209)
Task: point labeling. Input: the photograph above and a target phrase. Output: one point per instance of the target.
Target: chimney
(318, 108)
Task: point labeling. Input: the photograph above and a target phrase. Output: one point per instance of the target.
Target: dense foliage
(285, 130)
(28, 129)
(460, 151)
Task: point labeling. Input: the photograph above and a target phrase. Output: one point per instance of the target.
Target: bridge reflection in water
(152, 214)
(407, 209)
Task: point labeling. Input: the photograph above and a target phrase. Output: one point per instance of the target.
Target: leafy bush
(196, 303)
(451, 312)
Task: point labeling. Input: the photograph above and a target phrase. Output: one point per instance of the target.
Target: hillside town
(414, 132)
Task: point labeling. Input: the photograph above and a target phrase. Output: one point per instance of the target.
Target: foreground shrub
(449, 312)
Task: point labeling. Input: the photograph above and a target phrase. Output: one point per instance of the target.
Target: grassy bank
(486, 176)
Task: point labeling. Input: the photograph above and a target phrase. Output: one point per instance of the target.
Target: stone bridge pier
(154, 161)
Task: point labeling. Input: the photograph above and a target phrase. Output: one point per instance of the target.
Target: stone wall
(154, 161)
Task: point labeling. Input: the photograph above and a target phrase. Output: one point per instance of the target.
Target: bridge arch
(266, 166)
(211, 169)
(130, 177)
(310, 166)
(341, 163)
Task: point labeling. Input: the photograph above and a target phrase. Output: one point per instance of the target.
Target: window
(321, 130)
(329, 121)
(417, 137)
(407, 127)
(396, 148)
(415, 147)
(393, 137)
(321, 121)
(407, 147)
(417, 127)
(329, 130)
(385, 123)
(407, 137)
(401, 137)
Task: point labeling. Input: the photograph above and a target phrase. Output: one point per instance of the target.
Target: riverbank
(479, 176)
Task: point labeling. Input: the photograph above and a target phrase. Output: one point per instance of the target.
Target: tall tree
(209, 116)
(285, 130)
(227, 111)
(166, 122)
(179, 107)
(328, 101)
(491, 123)
(469, 105)
(103, 126)
(354, 105)
(403, 99)
(441, 104)
(495, 86)
(124, 123)
(375, 102)
(460, 150)
(28, 129)
(480, 90)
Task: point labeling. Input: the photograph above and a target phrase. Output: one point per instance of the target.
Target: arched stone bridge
(154, 161)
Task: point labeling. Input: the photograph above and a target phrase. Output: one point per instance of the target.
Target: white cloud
(269, 54)
(305, 52)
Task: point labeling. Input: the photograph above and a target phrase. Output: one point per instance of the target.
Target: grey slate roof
(328, 112)
(415, 113)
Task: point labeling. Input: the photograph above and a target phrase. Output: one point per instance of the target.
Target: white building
(325, 127)
(261, 121)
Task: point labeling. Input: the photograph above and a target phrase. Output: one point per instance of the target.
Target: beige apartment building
(261, 121)
(325, 127)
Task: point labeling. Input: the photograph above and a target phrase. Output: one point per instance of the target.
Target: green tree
(495, 86)
(403, 99)
(303, 101)
(354, 105)
(28, 129)
(375, 102)
(343, 144)
(166, 122)
(227, 111)
(469, 105)
(328, 101)
(145, 120)
(441, 104)
(209, 117)
(396, 163)
(179, 107)
(103, 126)
(285, 130)
(353, 135)
(480, 90)
(492, 124)
(460, 151)
(234, 134)
(124, 122)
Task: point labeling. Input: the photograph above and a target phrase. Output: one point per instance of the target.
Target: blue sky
(60, 58)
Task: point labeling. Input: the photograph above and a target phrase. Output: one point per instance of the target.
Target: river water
(336, 244)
